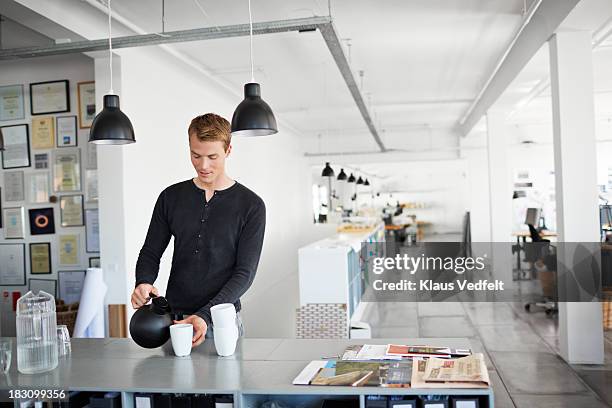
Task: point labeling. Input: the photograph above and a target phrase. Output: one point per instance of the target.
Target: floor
(521, 349)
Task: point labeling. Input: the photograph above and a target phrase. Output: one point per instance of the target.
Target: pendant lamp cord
(251, 41)
(110, 48)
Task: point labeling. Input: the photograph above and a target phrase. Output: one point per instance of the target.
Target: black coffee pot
(150, 324)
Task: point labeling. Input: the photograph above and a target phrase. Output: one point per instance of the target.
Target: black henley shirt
(217, 245)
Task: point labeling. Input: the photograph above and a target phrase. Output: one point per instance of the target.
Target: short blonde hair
(211, 127)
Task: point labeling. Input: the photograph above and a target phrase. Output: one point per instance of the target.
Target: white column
(500, 194)
(580, 324)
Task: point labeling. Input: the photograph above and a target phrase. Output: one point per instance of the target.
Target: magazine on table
(425, 351)
(377, 352)
(355, 374)
(464, 372)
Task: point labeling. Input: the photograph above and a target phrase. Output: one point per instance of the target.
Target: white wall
(74, 68)
(160, 103)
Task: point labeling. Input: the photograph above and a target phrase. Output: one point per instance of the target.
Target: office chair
(539, 249)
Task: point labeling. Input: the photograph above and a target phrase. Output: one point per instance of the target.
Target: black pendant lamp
(327, 171)
(253, 116)
(359, 180)
(342, 175)
(111, 126)
(351, 178)
(366, 182)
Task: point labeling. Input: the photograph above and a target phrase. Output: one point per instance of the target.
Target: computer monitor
(532, 217)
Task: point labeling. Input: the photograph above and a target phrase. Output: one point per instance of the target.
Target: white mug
(223, 315)
(181, 336)
(225, 340)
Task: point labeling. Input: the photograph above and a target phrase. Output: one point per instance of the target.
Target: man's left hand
(199, 328)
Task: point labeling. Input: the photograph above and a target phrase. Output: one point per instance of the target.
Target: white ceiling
(424, 61)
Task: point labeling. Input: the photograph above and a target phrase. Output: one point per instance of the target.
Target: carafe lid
(160, 305)
(39, 302)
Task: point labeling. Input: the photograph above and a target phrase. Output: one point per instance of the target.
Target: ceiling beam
(323, 24)
(169, 37)
(333, 43)
(539, 28)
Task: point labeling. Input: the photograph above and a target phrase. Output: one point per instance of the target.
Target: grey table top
(258, 366)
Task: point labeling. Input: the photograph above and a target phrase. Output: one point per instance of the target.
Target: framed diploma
(12, 265)
(40, 258)
(91, 185)
(11, 102)
(38, 187)
(41, 161)
(41, 221)
(66, 171)
(49, 97)
(14, 223)
(69, 250)
(70, 285)
(16, 147)
(43, 133)
(94, 262)
(92, 228)
(71, 210)
(66, 131)
(13, 186)
(92, 156)
(47, 285)
(87, 103)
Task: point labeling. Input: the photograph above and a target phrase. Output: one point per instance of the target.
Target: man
(218, 228)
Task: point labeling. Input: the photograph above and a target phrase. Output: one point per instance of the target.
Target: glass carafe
(36, 333)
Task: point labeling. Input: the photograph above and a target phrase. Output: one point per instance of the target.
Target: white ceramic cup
(225, 340)
(181, 336)
(223, 315)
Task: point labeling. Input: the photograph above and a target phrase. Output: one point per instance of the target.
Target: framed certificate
(11, 102)
(71, 210)
(41, 161)
(92, 156)
(12, 265)
(87, 103)
(91, 185)
(41, 221)
(94, 262)
(14, 221)
(16, 147)
(49, 97)
(69, 249)
(66, 131)
(67, 171)
(43, 133)
(92, 228)
(13, 186)
(47, 285)
(40, 258)
(38, 187)
(70, 285)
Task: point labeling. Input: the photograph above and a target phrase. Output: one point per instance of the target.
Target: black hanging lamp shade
(342, 175)
(366, 182)
(253, 116)
(351, 178)
(111, 126)
(359, 180)
(327, 171)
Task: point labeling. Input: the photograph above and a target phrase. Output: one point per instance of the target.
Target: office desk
(261, 369)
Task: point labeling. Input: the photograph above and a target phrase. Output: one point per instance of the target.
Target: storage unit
(332, 278)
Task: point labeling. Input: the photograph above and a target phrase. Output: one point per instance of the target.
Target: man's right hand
(140, 296)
